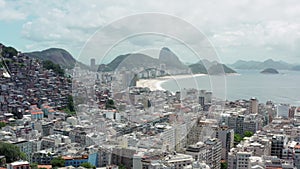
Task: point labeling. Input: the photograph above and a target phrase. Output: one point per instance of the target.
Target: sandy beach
(155, 84)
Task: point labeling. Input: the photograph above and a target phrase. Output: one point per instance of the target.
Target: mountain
(220, 69)
(136, 60)
(207, 63)
(296, 68)
(130, 61)
(213, 68)
(240, 64)
(269, 71)
(198, 68)
(166, 57)
(170, 59)
(56, 55)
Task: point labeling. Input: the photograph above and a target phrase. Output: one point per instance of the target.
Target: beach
(155, 83)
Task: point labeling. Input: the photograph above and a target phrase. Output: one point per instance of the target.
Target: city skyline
(155, 91)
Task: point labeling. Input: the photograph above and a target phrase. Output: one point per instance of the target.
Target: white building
(178, 161)
(238, 160)
(208, 152)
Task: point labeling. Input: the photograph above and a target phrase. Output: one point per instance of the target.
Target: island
(269, 71)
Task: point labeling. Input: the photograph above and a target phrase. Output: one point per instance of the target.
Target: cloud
(8, 13)
(236, 28)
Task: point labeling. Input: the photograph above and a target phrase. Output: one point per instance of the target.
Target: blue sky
(248, 30)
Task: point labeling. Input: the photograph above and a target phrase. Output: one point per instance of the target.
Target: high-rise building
(236, 122)
(278, 143)
(208, 151)
(208, 97)
(193, 136)
(283, 110)
(226, 136)
(238, 160)
(201, 101)
(253, 123)
(93, 64)
(253, 108)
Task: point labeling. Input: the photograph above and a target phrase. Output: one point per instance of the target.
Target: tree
(70, 109)
(10, 51)
(87, 165)
(248, 133)
(237, 138)
(110, 104)
(47, 64)
(34, 165)
(11, 152)
(71, 104)
(58, 162)
(224, 165)
(122, 166)
(2, 124)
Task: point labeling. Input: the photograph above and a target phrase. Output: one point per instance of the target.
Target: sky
(235, 30)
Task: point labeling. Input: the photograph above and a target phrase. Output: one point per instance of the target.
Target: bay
(279, 88)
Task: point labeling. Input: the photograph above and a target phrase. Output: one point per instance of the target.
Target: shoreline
(155, 83)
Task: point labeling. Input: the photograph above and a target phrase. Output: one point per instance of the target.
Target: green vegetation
(110, 104)
(70, 109)
(11, 152)
(87, 165)
(237, 138)
(248, 133)
(10, 51)
(58, 162)
(198, 68)
(70, 105)
(67, 111)
(220, 69)
(224, 165)
(115, 63)
(2, 124)
(34, 165)
(58, 56)
(55, 67)
(269, 71)
(122, 166)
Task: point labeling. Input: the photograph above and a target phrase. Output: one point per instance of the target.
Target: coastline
(155, 83)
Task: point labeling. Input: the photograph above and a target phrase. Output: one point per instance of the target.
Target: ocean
(279, 88)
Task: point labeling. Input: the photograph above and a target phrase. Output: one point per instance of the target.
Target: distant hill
(241, 64)
(217, 69)
(296, 68)
(213, 68)
(136, 60)
(58, 56)
(130, 61)
(167, 57)
(281, 65)
(270, 71)
(198, 68)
